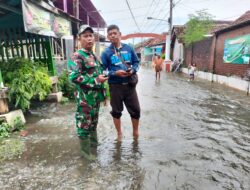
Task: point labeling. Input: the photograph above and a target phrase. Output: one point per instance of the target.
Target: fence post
(1, 80)
(3, 97)
(51, 62)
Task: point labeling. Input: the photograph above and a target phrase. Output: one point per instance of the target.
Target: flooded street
(193, 135)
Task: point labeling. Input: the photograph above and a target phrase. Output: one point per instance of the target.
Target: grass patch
(11, 148)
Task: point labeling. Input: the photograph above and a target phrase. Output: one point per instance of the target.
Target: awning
(88, 13)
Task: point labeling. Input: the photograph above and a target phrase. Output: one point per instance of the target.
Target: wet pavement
(193, 135)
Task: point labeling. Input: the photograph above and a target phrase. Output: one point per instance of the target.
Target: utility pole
(171, 15)
(168, 38)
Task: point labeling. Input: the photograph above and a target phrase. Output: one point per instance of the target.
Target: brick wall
(222, 68)
(187, 55)
(201, 54)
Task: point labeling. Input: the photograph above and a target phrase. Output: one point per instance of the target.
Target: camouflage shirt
(84, 70)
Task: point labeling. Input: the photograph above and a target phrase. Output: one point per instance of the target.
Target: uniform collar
(86, 51)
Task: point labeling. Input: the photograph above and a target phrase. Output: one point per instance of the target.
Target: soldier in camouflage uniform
(86, 73)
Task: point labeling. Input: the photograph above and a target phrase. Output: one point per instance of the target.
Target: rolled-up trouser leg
(126, 94)
(116, 102)
(132, 103)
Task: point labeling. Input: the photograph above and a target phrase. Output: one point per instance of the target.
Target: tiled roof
(244, 19)
(219, 25)
(152, 42)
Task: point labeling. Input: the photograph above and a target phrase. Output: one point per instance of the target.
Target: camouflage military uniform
(84, 70)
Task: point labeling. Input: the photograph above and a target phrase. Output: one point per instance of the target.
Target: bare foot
(119, 137)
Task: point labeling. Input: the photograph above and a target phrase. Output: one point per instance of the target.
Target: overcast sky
(117, 12)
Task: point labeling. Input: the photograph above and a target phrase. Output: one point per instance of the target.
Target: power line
(148, 11)
(125, 18)
(160, 21)
(165, 17)
(133, 16)
(174, 4)
(125, 10)
(148, 21)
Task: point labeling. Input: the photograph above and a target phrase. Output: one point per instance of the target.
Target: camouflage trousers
(86, 115)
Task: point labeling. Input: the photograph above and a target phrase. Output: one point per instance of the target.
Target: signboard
(61, 26)
(147, 51)
(158, 50)
(237, 50)
(39, 21)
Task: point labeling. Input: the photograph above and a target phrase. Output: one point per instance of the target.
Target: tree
(199, 24)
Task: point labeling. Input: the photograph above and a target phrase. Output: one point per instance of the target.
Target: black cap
(84, 28)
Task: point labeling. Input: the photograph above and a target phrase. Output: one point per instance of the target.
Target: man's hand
(122, 73)
(102, 78)
(130, 73)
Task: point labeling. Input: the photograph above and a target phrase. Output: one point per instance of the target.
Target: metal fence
(15, 42)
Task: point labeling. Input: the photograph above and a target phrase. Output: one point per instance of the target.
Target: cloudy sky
(117, 12)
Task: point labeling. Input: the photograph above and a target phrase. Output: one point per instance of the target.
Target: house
(177, 44)
(224, 57)
(232, 48)
(151, 46)
(42, 31)
(201, 53)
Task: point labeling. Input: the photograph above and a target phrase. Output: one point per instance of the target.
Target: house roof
(152, 42)
(243, 20)
(179, 30)
(144, 43)
(8, 6)
(219, 25)
(158, 41)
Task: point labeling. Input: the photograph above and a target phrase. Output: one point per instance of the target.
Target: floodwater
(193, 135)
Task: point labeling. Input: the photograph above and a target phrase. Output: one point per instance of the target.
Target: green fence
(15, 42)
(1, 80)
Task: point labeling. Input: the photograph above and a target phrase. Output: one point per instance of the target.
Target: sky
(117, 12)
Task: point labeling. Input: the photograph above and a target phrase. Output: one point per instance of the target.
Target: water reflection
(89, 147)
(121, 170)
(127, 156)
(192, 136)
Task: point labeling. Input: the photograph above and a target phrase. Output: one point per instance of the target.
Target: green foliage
(163, 56)
(64, 100)
(18, 124)
(6, 129)
(66, 86)
(199, 24)
(26, 80)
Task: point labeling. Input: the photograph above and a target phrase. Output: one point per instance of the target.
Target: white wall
(178, 51)
(232, 81)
